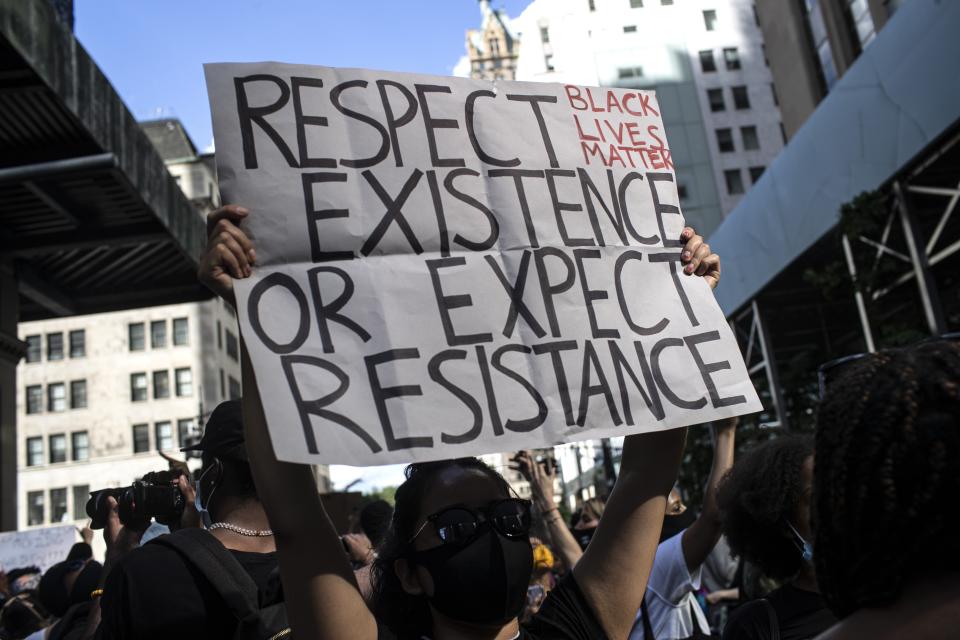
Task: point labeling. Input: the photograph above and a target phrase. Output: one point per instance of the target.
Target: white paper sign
(41, 547)
(449, 267)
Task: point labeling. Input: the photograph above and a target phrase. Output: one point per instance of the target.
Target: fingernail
(243, 210)
(689, 268)
(253, 255)
(686, 255)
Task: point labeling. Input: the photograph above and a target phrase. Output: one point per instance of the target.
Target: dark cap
(223, 433)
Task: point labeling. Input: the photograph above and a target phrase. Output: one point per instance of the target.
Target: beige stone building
(493, 48)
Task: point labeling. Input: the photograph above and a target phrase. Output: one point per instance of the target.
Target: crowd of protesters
(851, 533)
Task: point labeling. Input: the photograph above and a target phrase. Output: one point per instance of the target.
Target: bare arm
(541, 486)
(322, 597)
(614, 569)
(702, 536)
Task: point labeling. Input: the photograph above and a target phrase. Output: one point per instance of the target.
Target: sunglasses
(829, 370)
(457, 524)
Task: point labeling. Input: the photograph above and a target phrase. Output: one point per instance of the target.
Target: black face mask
(482, 582)
(583, 536)
(672, 525)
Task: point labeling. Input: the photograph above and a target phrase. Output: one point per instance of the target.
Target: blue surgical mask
(805, 547)
(202, 504)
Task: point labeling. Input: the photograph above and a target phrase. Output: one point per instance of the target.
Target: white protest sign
(449, 267)
(41, 547)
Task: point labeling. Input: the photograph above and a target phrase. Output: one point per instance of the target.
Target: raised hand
(698, 259)
(229, 253)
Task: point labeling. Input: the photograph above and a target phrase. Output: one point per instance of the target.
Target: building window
(219, 335)
(625, 73)
(135, 336)
(58, 448)
(223, 386)
(234, 389)
(184, 431)
(783, 133)
(636, 4)
(163, 432)
(34, 398)
(821, 43)
(734, 181)
(749, 137)
(740, 98)
(181, 333)
(80, 446)
(732, 58)
(158, 334)
(34, 452)
(34, 348)
(666, 3)
(141, 438)
(548, 63)
(755, 173)
(710, 19)
(233, 349)
(138, 387)
(715, 97)
(707, 62)
(682, 191)
(756, 16)
(763, 50)
(591, 5)
(161, 384)
(545, 35)
(184, 381)
(630, 28)
(35, 511)
(862, 21)
(78, 394)
(773, 92)
(494, 44)
(54, 346)
(81, 493)
(78, 343)
(58, 504)
(56, 397)
(725, 140)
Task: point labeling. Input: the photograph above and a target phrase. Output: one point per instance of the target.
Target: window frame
(61, 492)
(744, 93)
(57, 437)
(177, 373)
(34, 400)
(158, 340)
(78, 343)
(733, 63)
(81, 493)
(183, 322)
(136, 333)
(710, 19)
(34, 458)
(144, 430)
(161, 374)
(755, 139)
(723, 135)
(727, 173)
(134, 388)
(704, 59)
(56, 336)
(30, 506)
(716, 107)
(75, 447)
(34, 348)
(61, 400)
(168, 437)
(74, 386)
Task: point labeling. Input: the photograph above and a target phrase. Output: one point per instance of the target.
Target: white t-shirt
(671, 605)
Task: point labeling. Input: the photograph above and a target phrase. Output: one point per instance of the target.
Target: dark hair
(408, 616)
(887, 474)
(236, 478)
(375, 520)
(757, 495)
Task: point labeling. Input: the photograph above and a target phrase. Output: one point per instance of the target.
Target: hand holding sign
(446, 267)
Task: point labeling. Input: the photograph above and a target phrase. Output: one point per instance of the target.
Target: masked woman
(457, 559)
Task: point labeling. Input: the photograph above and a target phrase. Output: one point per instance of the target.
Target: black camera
(155, 496)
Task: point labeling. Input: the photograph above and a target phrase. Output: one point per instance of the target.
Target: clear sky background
(153, 53)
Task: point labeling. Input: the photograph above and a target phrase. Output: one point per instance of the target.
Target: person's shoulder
(749, 621)
(148, 561)
(565, 615)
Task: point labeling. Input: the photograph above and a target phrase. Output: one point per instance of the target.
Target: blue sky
(153, 50)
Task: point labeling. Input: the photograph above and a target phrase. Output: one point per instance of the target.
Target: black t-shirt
(801, 614)
(565, 615)
(154, 593)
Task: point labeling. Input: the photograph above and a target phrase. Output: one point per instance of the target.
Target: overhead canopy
(88, 213)
(902, 94)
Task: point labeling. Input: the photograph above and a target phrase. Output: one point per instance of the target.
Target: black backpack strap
(647, 627)
(772, 618)
(231, 581)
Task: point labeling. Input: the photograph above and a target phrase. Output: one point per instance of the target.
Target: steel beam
(926, 285)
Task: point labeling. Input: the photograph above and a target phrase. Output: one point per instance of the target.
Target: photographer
(180, 584)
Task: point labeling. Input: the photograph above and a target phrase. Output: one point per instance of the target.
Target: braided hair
(407, 615)
(887, 475)
(757, 496)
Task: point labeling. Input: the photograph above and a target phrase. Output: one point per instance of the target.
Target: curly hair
(887, 474)
(406, 615)
(755, 497)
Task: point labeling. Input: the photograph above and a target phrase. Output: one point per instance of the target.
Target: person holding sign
(457, 559)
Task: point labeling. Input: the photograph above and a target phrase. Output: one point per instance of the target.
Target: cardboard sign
(448, 267)
(41, 547)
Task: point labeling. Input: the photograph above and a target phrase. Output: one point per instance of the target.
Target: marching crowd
(849, 533)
